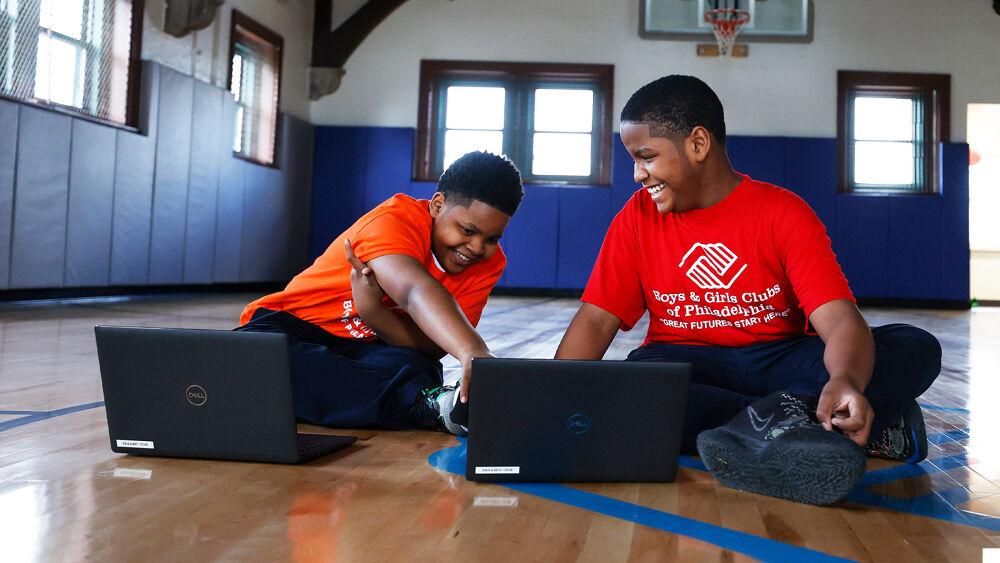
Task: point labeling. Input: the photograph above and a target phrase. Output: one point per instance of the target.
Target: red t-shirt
(321, 294)
(749, 269)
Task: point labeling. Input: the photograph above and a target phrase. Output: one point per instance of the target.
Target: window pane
(457, 143)
(561, 154)
(564, 110)
(62, 16)
(475, 107)
(56, 71)
(883, 119)
(883, 163)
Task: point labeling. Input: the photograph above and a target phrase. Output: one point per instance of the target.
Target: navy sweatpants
(347, 383)
(725, 380)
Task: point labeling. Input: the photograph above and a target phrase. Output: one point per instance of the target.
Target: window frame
(259, 33)
(134, 77)
(935, 90)
(518, 78)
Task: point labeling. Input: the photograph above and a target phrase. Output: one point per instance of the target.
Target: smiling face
(464, 235)
(668, 170)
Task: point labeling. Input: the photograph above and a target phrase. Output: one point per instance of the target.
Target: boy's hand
(841, 405)
(466, 362)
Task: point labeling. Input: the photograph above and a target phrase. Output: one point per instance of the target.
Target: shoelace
(795, 409)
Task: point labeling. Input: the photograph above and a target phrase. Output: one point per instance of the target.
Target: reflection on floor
(65, 495)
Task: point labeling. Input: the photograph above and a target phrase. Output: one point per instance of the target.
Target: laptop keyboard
(312, 446)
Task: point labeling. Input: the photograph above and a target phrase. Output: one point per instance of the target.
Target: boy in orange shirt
(369, 321)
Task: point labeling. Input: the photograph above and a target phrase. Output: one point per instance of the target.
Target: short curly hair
(674, 105)
(483, 176)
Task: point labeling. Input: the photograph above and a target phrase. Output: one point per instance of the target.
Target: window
(255, 79)
(552, 120)
(73, 55)
(889, 126)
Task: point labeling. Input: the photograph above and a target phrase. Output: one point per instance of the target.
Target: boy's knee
(916, 347)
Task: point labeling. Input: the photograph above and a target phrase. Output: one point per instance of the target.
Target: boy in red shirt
(365, 347)
(740, 280)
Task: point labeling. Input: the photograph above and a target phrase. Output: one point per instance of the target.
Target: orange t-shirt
(321, 294)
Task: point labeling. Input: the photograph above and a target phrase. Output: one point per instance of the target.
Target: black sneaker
(776, 447)
(906, 440)
(437, 408)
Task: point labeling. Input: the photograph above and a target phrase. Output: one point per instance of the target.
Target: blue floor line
(452, 460)
(45, 415)
(949, 436)
(21, 412)
(931, 407)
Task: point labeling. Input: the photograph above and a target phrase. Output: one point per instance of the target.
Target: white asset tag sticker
(498, 469)
(127, 473)
(134, 444)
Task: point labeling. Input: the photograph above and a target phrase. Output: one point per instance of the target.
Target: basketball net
(726, 24)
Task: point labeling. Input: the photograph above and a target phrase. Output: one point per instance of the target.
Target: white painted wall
(204, 54)
(781, 89)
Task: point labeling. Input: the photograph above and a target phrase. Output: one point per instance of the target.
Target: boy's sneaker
(905, 440)
(437, 408)
(775, 447)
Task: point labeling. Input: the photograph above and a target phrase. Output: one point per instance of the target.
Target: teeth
(462, 257)
(653, 190)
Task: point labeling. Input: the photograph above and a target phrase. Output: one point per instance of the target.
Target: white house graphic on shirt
(711, 265)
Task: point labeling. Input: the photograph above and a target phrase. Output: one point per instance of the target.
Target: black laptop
(576, 421)
(213, 394)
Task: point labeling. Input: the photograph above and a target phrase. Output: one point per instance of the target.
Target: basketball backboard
(770, 20)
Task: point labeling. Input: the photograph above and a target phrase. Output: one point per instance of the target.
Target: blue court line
(949, 436)
(45, 415)
(931, 407)
(452, 460)
(21, 412)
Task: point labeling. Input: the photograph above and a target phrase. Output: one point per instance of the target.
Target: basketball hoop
(726, 24)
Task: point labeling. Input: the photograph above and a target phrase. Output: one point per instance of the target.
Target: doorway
(984, 201)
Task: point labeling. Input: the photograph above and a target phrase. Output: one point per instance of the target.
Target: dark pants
(725, 380)
(347, 383)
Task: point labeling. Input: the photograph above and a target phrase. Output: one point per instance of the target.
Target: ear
(437, 204)
(699, 144)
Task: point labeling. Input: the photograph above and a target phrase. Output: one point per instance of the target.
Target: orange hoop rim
(723, 21)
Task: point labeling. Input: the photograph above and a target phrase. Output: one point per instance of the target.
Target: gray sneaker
(437, 408)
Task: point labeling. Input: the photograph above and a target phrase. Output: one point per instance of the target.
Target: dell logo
(196, 395)
(578, 423)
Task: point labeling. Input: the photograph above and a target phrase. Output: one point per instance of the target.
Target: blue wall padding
(762, 158)
(900, 246)
(914, 247)
(954, 221)
(623, 183)
(532, 238)
(339, 182)
(584, 216)
(862, 245)
(389, 155)
(811, 166)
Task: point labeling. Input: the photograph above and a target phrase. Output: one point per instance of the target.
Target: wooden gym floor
(398, 495)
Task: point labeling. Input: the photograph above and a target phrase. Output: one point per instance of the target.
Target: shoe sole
(808, 465)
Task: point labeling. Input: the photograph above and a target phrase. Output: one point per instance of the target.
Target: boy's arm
(391, 328)
(589, 334)
(432, 308)
(849, 358)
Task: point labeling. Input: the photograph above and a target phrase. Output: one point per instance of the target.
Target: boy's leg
(717, 392)
(907, 360)
(347, 384)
